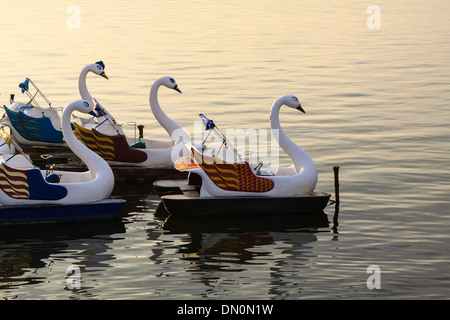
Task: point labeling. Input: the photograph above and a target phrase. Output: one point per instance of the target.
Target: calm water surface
(377, 105)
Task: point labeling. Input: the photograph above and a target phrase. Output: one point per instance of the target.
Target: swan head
(170, 83)
(293, 102)
(98, 68)
(81, 106)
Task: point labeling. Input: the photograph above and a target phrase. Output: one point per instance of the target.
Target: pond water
(377, 105)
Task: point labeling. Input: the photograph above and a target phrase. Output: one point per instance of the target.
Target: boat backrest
(110, 147)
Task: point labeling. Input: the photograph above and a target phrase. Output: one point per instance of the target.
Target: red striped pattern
(14, 182)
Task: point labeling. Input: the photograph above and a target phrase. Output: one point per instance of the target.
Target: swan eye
(172, 80)
(295, 99)
(100, 65)
(86, 104)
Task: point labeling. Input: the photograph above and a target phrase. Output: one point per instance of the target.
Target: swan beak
(103, 74)
(177, 89)
(299, 107)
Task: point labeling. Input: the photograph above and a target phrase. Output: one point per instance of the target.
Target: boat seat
(28, 184)
(53, 178)
(34, 128)
(232, 176)
(110, 147)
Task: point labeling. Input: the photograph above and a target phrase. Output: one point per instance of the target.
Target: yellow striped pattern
(232, 176)
(103, 146)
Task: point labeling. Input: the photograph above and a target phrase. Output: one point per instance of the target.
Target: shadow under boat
(49, 232)
(27, 247)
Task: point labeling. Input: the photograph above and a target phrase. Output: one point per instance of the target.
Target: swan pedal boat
(106, 137)
(235, 187)
(182, 198)
(29, 194)
(115, 148)
(33, 125)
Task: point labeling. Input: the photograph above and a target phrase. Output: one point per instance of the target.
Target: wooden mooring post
(337, 199)
(336, 184)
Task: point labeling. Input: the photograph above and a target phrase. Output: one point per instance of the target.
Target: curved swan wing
(28, 184)
(231, 176)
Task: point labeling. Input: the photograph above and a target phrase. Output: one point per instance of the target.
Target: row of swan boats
(217, 183)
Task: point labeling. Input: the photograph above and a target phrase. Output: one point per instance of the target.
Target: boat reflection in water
(232, 242)
(28, 250)
(244, 223)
